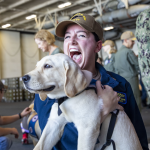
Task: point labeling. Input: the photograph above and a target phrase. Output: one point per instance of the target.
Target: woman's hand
(109, 97)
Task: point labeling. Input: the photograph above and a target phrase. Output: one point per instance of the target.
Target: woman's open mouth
(76, 56)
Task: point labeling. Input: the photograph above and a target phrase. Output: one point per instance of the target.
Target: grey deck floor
(16, 107)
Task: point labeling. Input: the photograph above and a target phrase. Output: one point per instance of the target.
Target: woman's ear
(98, 46)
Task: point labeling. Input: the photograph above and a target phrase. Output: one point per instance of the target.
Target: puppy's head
(56, 76)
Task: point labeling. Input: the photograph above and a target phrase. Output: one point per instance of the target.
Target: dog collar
(62, 99)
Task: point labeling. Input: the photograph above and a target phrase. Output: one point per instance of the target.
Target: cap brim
(62, 26)
(133, 39)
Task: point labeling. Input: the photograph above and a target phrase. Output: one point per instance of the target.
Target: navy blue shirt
(69, 138)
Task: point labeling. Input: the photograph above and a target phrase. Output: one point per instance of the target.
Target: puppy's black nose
(26, 78)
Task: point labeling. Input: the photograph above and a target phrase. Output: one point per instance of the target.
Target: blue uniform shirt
(69, 138)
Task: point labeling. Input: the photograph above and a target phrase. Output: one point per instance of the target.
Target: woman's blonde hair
(45, 35)
(113, 50)
(112, 44)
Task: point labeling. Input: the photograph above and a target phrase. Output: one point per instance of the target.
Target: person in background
(5, 142)
(82, 40)
(143, 42)
(46, 42)
(126, 64)
(108, 47)
(99, 59)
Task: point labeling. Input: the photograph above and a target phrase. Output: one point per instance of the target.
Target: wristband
(20, 115)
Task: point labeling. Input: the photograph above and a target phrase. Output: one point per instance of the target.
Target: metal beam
(52, 11)
(29, 10)
(74, 12)
(85, 8)
(81, 9)
(14, 5)
(21, 30)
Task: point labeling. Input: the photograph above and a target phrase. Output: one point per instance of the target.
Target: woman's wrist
(20, 115)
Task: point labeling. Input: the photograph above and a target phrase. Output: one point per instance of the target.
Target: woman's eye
(47, 66)
(66, 37)
(82, 35)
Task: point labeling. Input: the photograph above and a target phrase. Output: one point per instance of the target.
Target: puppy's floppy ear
(75, 79)
(43, 96)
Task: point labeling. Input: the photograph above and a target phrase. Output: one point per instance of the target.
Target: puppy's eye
(47, 66)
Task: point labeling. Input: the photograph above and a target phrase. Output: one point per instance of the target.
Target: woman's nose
(73, 40)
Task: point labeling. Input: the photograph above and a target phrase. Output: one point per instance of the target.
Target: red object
(25, 139)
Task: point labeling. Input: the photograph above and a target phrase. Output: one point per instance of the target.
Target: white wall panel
(10, 54)
(19, 53)
(30, 53)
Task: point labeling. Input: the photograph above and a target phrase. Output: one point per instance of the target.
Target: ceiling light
(64, 5)
(108, 28)
(6, 25)
(30, 17)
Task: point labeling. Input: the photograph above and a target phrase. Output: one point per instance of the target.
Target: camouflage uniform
(143, 38)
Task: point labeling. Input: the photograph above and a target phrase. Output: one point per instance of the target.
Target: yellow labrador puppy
(57, 76)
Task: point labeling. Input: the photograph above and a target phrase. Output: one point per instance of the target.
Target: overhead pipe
(132, 2)
(125, 21)
(145, 2)
(49, 24)
(110, 34)
(121, 3)
(121, 14)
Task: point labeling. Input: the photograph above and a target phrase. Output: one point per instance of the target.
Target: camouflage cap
(108, 42)
(85, 21)
(128, 35)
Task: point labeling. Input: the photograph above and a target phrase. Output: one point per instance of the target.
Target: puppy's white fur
(83, 109)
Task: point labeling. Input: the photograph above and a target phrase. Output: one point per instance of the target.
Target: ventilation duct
(122, 14)
(50, 24)
(118, 4)
(132, 2)
(110, 34)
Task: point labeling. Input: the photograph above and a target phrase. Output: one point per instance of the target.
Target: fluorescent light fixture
(108, 28)
(30, 17)
(64, 5)
(6, 25)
